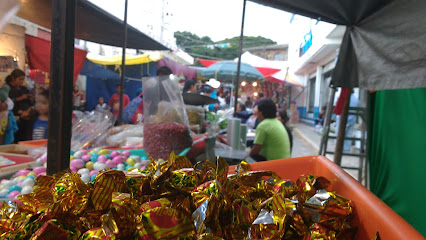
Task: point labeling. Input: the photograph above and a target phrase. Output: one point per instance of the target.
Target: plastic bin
(34, 143)
(371, 214)
(21, 162)
(16, 149)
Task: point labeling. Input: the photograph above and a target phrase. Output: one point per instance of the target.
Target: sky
(217, 19)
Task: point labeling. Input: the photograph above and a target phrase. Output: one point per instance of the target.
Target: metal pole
(338, 152)
(327, 121)
(61, 85)
(237, 80)
(123, 65)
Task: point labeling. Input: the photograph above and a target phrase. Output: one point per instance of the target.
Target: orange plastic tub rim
(371, 215)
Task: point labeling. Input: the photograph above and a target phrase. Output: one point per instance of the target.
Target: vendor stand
(388, 231)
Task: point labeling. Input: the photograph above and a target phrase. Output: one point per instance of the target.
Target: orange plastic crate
(34, 143)
(371, 214)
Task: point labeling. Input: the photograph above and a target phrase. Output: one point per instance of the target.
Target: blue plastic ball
(15, 188)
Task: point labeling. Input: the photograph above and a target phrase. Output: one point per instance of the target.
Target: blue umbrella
(227, 71)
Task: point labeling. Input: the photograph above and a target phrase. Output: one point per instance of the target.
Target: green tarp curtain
(397, 152)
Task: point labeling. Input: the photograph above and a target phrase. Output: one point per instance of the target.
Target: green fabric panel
(397, 153)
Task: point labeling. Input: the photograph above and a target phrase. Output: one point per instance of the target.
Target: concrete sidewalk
(313, 139)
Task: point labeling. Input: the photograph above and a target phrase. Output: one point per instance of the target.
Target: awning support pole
(237, 80)
(338, 152)
(61, 85)
(123, 65)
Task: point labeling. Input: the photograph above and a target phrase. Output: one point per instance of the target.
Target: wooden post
(123, 66)
(61, 85)
(338, 152)
(237, 80)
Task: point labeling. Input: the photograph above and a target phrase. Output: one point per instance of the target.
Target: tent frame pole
(237, 80)
(61, 85)
(123, 65)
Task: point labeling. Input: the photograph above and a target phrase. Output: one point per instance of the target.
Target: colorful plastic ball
(73, 169)
(13, 194)
(144, 162)
(72, 157)
(130, 161)
(93, 172)
(19, 184)
(126, 153)
(43, 158)
(136, 157)
(89, 165)
(23, 172)
(41, 174)
(77, 163)
(118, 159)
(26, 190)
(95, 154)
(127, 167)
(137, 165)
(94, 158)
(71, 152)
(115, 154)
(8, 184)
(107, 156)
(15, 188)
(85, 158)
(102, 158)
(142, 168)
(31, 174)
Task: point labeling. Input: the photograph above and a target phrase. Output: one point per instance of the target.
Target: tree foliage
(205, 47)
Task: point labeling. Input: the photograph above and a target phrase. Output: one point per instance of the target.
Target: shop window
(278, 57)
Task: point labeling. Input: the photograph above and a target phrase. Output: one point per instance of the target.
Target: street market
(144, 146)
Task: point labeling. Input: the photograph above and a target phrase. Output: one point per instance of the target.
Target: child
(101, 106)
(42, 108)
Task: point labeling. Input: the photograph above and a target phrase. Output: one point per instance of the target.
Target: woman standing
(23, 101)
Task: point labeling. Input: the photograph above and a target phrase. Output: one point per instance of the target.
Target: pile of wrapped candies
(175, 200)
(87, 163)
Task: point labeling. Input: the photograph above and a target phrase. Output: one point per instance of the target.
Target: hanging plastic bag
(166, 127)
(134, 107)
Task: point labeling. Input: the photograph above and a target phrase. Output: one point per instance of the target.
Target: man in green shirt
(271, 141)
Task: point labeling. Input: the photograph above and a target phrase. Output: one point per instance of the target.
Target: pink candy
(94, 172)
(43, 158)
(77, 163)
(41, 173)
(85, 158)
(115, 154)
(111, 164)
(126, 153)
(73, 169)
(117, 159)
(38, 170)
(23, 172)
(142, 168)
(102, 158)
(13, 194)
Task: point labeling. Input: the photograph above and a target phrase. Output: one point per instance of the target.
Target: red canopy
(38, 53)
(207, 63)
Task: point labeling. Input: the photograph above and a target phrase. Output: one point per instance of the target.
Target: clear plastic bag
(166, 126)
(91, 127)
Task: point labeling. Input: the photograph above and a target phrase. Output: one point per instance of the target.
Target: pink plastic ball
(38, 170)
(142, 168)
(115, 154)
(93, 172)
(41, 173)
(118, 159)
(23, 172)
(85, 158)
(77, 163)
(126, 153)
(13, 194)
(73, 169)
(3, 180)
(19, 184)
(111, 164)
(102, 158)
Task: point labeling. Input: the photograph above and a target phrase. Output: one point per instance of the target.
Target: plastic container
(371, 214)
(34, 143)
(16, 149)
(21, 162)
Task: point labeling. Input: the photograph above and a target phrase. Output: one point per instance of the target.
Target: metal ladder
(361, 113)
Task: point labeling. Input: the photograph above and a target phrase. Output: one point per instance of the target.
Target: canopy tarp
(91, 24)
(130, 60)
(38, 53)
(178, 69)
(383, 46)
(102, 82)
